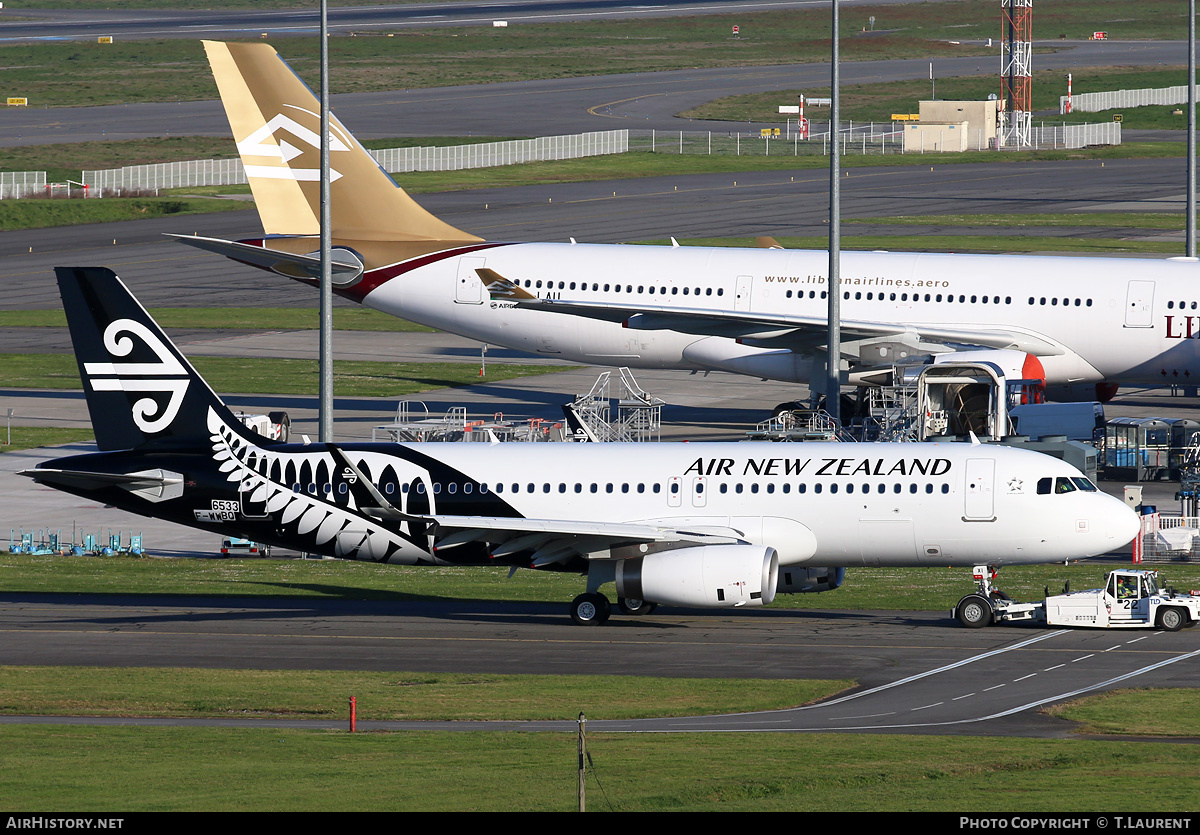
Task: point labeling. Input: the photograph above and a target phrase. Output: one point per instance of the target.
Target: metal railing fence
(222, 172)
(1095, 102)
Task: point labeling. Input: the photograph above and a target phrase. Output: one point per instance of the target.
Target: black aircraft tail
(141, 391)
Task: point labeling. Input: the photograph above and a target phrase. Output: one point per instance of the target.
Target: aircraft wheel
(1171, 619)
(790, 406)
(590, 609)
(974, 611)
(633, 606)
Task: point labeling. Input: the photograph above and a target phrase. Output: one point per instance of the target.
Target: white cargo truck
(1130, 598)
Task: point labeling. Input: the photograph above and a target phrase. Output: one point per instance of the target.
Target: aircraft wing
(556, 540)
(550, 540)
(777, 330)
(785, 330)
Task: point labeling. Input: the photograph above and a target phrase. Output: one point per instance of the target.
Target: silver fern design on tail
(330, 527)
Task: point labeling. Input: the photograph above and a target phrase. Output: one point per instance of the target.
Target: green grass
(892, 589)
(281, 376)
(953, 243)
(29, 437)
(27, 214)
(68, 160)
(876, 102)
(322, 694)
(122, 770)
(1170, 221)
(639, 164)
(176, 70)
(1138, 712)
(38, 213)
(355, 318)
(171, 70)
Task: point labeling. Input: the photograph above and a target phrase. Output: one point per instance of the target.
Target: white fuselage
(1115, 320)
(819, 504)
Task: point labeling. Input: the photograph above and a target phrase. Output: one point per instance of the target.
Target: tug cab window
(1123, 587)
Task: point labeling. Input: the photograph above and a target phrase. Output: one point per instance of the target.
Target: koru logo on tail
(257, 145)
(167, 375)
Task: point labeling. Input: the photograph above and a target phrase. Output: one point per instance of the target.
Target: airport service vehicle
(1082, 325)
(274, 425)
(1131, 598)
(718, 525)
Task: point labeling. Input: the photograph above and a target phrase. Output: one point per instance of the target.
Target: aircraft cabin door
(1139, 305)
(469, 287)
(980, 497)
(741, 293)
(675, 491)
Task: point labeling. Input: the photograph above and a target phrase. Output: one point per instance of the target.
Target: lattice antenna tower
(1016, 74)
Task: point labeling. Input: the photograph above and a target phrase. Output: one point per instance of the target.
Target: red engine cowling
(1014, 365)
(709, 576)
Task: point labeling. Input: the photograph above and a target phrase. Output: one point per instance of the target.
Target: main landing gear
(593, 608)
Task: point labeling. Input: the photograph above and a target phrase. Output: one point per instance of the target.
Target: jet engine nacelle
(793, 580)
(1014, 365)
(721, 354)
(711, 576)
(1082, 393)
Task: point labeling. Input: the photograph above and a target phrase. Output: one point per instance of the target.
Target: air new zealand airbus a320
(699, 524)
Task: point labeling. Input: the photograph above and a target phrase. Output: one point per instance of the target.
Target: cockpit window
(1084, 484)
(1044, 485)
(1063, 485)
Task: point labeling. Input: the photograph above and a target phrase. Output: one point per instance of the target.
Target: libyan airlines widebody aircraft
(716, 525)
(1083, 325)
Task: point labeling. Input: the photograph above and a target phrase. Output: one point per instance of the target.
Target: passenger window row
(618, 288)
(770, 487)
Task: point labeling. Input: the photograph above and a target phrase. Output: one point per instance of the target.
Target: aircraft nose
(1122, 524)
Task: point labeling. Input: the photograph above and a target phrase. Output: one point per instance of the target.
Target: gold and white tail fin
(276, 123)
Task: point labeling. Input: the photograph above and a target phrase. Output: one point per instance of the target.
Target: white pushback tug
(1130, 598)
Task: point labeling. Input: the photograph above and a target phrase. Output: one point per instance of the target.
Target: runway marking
(919, 676)
(1018, 709)
(993, 687)
(1110, 649)
(926, 707)
(1084, 658)
(1055, 667)
(1022, 678)
(592, 109)
(964, 696)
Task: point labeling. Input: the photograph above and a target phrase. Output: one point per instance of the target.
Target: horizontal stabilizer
(346, 267)
(84, 480)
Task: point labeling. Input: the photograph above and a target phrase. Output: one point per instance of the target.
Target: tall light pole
(833, 383)
(1191, 138)
(325, 385)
